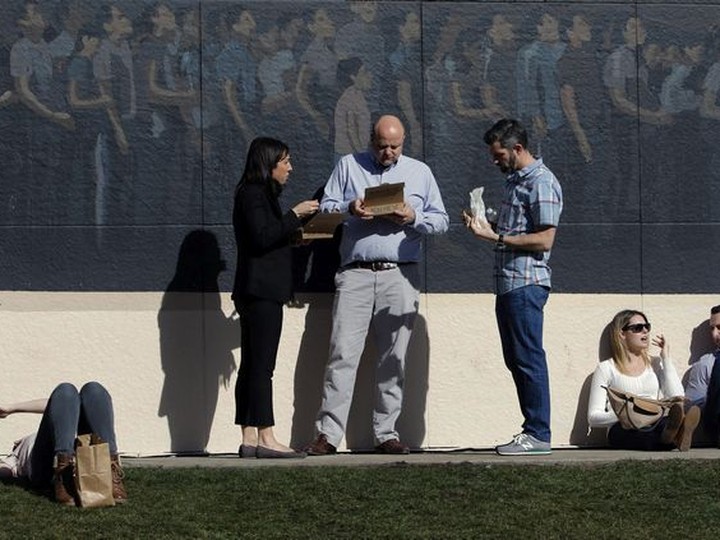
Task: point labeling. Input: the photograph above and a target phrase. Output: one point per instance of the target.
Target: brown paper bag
(93, 476)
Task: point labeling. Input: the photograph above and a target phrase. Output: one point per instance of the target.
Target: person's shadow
(581, 435)
(196, 343)
(700, 342)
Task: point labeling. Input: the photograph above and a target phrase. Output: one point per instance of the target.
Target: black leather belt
(375, 266)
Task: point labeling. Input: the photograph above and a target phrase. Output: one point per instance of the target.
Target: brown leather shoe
(320, 447)
(118, 486)
(674, 422)
(392, 446)
(63, 482)
(683, 440)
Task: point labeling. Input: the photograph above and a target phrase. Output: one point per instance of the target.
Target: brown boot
(118, 487)
(63, 482)
(673, 424)
(683, 440)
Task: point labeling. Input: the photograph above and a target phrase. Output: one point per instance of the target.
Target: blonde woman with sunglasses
(633, 369)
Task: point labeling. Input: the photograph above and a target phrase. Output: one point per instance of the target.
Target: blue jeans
(68, 413)
(638, 439)
(520, 322)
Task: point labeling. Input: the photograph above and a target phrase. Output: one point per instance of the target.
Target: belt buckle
(379, 266)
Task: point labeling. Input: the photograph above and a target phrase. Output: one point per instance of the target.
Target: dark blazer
(262, 235)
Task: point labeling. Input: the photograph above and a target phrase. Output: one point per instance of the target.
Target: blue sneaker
(524, 444)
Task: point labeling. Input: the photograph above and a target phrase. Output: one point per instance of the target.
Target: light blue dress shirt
(380, 239)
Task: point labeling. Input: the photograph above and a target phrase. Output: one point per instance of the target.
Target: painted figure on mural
(72, 16)
(680, 89)
(470, 111)
(710, 105)
(405, 61)
(625, 79)
(467, 92)
(710, 109)
(487, 90)
(584, 166)
(363, 39)
(352, 115)
(578, 58)
(277, 71)
(113, 68)
(680, 95)
(43, 122)
(538, 90)
(439, 75)
(90, 109)
(7, 39)
(237, 69)
(204, 116)
(318, 71)
(498, 76)
(11, 149)
(163, 183)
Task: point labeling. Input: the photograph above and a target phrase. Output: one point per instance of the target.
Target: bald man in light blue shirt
(378, 281)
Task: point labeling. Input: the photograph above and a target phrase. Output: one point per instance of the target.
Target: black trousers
(711, 413)
(261, 325)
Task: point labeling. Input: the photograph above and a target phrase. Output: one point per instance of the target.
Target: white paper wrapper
(477, 205)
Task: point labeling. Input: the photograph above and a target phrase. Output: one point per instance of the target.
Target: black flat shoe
(269, 453)
(247, 451)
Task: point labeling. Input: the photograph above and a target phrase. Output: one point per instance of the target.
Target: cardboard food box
(385, 198)
(322, 225)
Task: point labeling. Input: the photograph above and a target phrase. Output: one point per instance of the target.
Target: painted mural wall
(125, 125)
(123, 130)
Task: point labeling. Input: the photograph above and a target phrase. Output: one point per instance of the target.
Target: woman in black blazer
(263, 283)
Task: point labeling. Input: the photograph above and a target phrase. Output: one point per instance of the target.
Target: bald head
(387, 140)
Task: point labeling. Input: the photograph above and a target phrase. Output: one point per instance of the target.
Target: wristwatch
(500, 241)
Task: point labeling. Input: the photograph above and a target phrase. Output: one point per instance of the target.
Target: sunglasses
(637, 328)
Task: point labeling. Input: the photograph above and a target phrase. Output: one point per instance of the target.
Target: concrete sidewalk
(564, 456)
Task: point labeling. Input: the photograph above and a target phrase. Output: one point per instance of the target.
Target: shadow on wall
(310, 375)
(700, 342)
(580, 434)
(196, 343)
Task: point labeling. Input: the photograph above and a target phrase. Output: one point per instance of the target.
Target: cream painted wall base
(170, 363)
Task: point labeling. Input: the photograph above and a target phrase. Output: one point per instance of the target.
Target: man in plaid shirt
(525, 232)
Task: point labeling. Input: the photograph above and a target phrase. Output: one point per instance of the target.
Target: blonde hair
(619, 350)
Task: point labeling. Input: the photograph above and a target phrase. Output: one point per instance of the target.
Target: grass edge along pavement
(634, 498)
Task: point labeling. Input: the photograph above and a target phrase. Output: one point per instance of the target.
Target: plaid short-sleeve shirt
(532, 200)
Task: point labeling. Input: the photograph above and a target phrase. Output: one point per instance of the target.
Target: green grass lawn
(657, 499)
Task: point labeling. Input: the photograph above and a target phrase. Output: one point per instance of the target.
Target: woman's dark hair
(262, 157)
